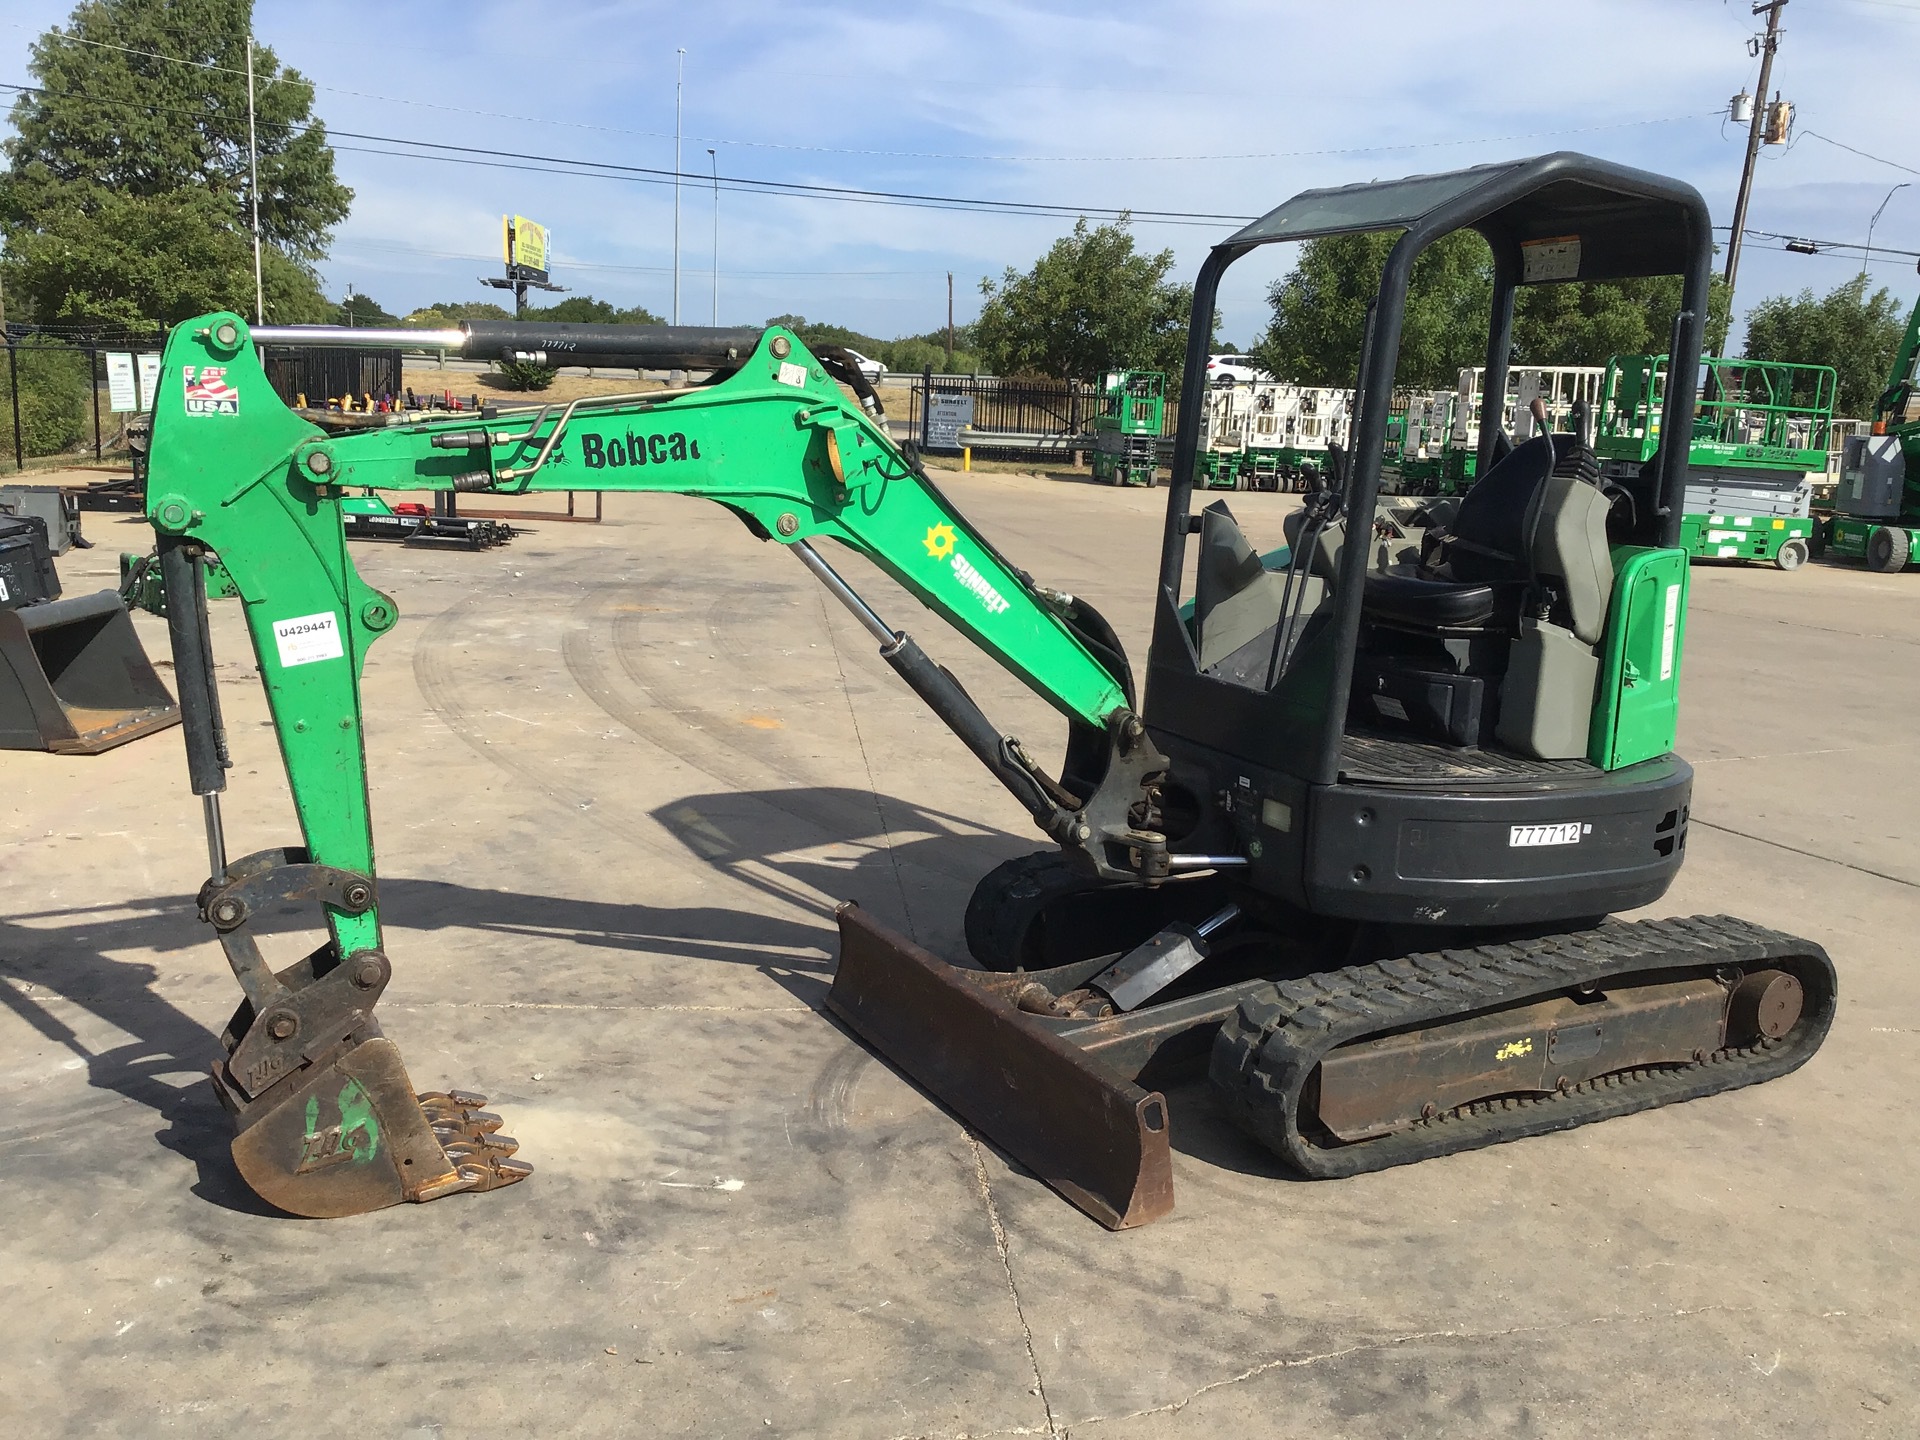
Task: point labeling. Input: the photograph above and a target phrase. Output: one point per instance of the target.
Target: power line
(910, 154)
(576, 263)
(848, 196)
(1878, 159)
(642, 174)
(1825, 245)
(1049, 208)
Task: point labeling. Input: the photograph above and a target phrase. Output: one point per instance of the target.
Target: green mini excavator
(1352, 853)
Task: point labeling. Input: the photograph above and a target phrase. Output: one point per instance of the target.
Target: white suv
(1234, 370)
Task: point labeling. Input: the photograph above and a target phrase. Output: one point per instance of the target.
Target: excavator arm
(327, 1120)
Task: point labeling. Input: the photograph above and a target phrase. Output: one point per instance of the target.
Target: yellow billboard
(524, 243)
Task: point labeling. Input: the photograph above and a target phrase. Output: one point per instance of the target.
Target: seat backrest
(1566, 546)
(1486, 541)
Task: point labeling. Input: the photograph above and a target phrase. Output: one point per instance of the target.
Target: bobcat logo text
(613, 452)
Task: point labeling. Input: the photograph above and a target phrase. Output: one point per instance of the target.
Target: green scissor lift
(1127, 430)
(1759, 428)
(1877, 503)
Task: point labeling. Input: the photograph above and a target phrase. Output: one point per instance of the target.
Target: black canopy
(1562, 216)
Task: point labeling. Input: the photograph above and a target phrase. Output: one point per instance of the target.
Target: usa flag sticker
(208, 392)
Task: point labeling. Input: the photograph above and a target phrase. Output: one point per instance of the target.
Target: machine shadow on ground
(69, 955)
(769, 863)
(800, 846)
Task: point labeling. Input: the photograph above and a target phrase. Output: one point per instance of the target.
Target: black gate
(1019, 408)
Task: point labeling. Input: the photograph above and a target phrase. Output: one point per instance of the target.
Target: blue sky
(1226, 106)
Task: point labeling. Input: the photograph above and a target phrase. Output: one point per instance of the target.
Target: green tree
(1587, 323)
(56, 384)
(126, 198)
(917, 353)
(524, 374)
(1320, 307)
(1854, 332)
(585, 310)
(1091, 304)
(445, 314)
(1320, 310)
(362, 310)
(819, 332)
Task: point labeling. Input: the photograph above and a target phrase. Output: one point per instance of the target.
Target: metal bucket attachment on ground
(1082, 1126)
(75, 680)
(348, 1135)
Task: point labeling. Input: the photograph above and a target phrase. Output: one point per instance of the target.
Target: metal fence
(1011, 405)
(70, 402)
(61, 404)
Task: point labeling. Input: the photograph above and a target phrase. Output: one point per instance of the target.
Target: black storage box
(27, 576)
(1431, 704)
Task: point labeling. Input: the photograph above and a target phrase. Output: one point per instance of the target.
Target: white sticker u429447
(307, 638)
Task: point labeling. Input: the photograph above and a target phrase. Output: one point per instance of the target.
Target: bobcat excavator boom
(1354, 851)
(328, 1122)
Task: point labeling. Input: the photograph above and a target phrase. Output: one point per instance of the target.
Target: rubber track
(1267, 1052)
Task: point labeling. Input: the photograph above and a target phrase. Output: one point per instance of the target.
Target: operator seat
(1495, 632)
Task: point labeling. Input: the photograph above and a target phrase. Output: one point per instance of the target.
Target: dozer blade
(75, 680)
(347, 1134)
(1083, 1127)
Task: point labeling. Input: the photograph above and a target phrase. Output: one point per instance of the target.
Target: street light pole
(1876, 220)
(253, 169)
(714, 161)
(679, 74)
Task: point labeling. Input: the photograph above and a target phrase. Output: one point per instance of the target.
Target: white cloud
(1324, 94)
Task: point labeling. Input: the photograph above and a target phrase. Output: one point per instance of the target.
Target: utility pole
(1767, 43)
(679, 73)
(714, 161)
(253, 168)
(949, 322)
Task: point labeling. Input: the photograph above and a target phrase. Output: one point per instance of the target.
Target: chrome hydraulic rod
(1205, 862)
(846, 595)
(944, 696)
(216, 838)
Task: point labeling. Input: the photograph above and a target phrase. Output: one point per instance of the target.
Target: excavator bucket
(75, 680)
(349, 1135)
(1038, 1091)
(326, 1122)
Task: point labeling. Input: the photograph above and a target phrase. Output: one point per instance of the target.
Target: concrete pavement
(621, 774)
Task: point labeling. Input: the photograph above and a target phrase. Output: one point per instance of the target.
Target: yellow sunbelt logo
(941, 545)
